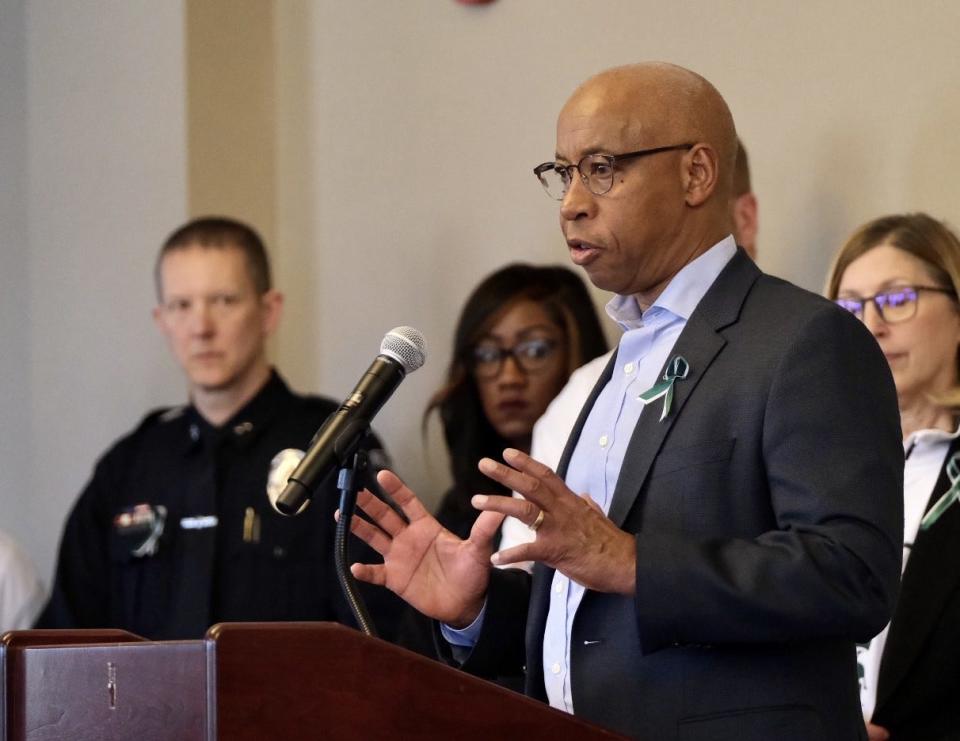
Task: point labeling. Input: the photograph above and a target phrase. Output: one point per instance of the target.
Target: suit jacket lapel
(584, 413)
(928, 581)
(699, 344)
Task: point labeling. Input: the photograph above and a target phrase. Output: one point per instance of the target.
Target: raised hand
(428, 566)
(574, 536)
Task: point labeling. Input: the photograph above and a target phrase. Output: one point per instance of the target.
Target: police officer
(175, 532)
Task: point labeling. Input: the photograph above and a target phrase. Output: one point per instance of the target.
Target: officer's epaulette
(170, 414)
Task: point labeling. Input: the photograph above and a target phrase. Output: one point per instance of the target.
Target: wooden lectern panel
(11, 708)
(325, 681)
(76, 685)
(61, 637)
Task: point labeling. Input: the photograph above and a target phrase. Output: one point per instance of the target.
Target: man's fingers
(485, 528)
(380, 512)
(524, 475)
(402, 494)
(372, 573)
(523, 462)
(370, 534)
(523, 510)
(530, 487)
(522, 552)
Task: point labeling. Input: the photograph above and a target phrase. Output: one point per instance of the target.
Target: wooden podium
(296, 681)
(95, 685)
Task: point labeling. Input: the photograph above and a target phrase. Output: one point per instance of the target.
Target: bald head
(665, 207)
(661, 103)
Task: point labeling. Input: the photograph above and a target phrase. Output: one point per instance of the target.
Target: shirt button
(603, 441)
(558, 587)
(628, 368)
(556, 667)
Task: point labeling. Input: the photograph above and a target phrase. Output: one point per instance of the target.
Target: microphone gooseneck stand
(348, 481)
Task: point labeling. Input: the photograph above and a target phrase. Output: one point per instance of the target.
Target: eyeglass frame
(511, 352)
(894, 289)
(612, 160)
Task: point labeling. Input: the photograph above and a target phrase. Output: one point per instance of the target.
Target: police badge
(283, 464)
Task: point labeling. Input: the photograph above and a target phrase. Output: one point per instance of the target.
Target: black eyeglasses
(531, 355)
(596, 171)
(893, 305)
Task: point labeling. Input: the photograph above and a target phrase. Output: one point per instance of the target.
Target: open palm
(432, 569)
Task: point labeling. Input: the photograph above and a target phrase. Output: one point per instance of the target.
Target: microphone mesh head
(405, 345)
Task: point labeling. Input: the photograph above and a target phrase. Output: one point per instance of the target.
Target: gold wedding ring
(535, 525)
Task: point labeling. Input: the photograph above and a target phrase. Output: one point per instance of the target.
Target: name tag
(198, 522)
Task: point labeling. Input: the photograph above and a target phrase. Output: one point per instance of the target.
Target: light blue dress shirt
(644, 348)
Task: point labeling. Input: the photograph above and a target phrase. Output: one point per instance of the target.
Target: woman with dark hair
(900, 275)
(521, 333)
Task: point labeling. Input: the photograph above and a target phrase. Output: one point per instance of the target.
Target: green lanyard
(953, 493)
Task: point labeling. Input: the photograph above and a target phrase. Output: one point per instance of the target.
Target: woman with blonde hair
(900, 275)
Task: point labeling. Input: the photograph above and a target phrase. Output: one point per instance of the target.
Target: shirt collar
(929, 437)
(243, 425)
(682, 294)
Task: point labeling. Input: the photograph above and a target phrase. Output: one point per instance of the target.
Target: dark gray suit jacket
(767, 510)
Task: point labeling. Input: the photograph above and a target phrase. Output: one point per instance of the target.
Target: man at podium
(174, 531)
(726, 519)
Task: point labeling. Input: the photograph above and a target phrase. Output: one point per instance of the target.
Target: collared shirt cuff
(466, 637)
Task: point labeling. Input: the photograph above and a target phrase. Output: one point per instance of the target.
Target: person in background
(520, 334)
(743, 204)
(21, 593)
(175, 532)
(900, 275)
(552, 430)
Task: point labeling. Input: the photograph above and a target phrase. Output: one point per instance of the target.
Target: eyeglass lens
(893, 306)
(531, 355)
(596, 170)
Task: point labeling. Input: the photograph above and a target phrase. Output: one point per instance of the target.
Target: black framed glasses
(531, 355)
(596, 170)
(893, 305)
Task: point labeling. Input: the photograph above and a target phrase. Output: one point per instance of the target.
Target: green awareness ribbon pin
(677, 369)
(952, 495)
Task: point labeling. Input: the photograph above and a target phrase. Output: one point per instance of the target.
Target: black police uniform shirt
(175, 532)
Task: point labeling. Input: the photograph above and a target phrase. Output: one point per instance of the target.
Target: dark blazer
(918, 694)
(767, 509)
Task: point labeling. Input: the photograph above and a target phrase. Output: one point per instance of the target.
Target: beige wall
(231, 117)
(101, 142)
(424, 119)
(14, 275)
(387, 154)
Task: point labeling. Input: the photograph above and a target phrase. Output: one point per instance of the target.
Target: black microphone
(402, 351)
